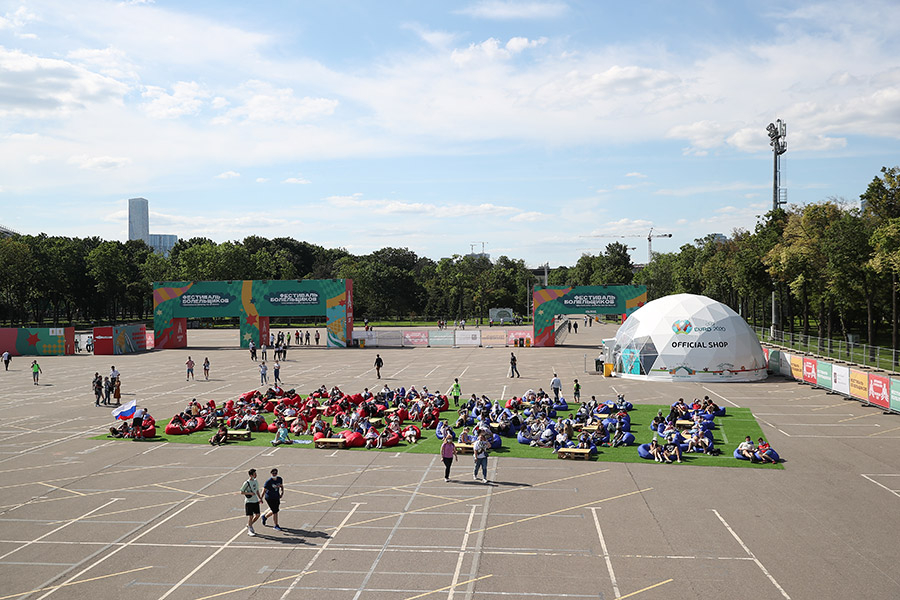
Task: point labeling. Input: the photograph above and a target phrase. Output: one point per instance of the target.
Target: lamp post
(778, 140)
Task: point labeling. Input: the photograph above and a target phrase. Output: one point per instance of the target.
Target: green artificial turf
(729, 432)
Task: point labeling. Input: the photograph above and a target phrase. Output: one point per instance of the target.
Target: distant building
(478, 255)
(719, 238)
(7, 232)
(138, 219)
(162, 243)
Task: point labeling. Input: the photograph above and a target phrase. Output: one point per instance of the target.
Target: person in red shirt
(765, 451)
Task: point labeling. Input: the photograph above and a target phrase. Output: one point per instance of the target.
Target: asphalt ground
(81, 518)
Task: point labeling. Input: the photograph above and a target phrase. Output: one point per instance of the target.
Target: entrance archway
(581, 300)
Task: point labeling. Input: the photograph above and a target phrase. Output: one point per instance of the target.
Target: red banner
(415, 338)
(512, 336)
(879, 390)
(103, 340)
(809, 370)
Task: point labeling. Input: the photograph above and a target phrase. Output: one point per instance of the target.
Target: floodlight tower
(778, 140)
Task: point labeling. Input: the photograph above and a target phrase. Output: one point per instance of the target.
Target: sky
(526, 126)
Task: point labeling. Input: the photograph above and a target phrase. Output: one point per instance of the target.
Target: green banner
(823, 374)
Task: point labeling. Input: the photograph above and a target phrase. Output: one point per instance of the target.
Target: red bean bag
(246, 395)
(409, 428)
(392, 440)
(273, 427)
(174, 428)
(509, 403)
(355, 399)
(195, 424)
(148, 430)
(317, 435)
(354, 439)
(332, 410)
(446, 404)
(403, 414)
(270, 406)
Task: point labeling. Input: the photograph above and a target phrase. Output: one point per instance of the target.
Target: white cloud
(297, 180)
(99, 163)
(517, 44)
(186, 99)
(528, 217)
(493, 49)
(228, 175)
(109, 61)
(261, 101)
(636, 174)
(262, 179)
(504, 10)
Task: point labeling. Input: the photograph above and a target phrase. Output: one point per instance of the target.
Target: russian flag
(126, 411)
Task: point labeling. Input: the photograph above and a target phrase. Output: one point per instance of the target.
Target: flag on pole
(126, 411)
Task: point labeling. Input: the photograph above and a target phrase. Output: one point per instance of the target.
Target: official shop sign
(590, 300)
(293, 298)
(205, 300)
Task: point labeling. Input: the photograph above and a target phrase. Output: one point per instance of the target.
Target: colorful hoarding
(859, 385)
(895, 394)
(468, 338)
(415, 338)
(254, 302)
(840, 379)
(797, 367)
(512, 336)
(880, 390)
(493, 337)
(441, 337)
(120, 339)
(37, 341)
(590, 300)
(809, 370)
(823, 374)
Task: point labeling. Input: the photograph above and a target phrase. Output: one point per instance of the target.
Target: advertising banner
(766, 353)
(879, 390)
(797, 367)
(37, 341)
(859, 384)
(493, 337)
(120, 339)
(150, 341)
(784, 365)
(388, 339)
(581, 300)
(415, 338)
(809, 370)
(501, 315)
(840, 379)
(774, 357)
(823, 374)
(895, 394)
(513, 335)
(468, 338)
(441, 337)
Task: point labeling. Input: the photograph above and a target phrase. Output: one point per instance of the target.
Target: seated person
(698, 441)
(620, 402)
(371, 438)
(428, 419)
(220, 437)
(122, 431)
(503, 423)
(619, 435)
(765, 451)
(584, 440)
(672, 449)
(747, 449)
(281, 436)
(561, 441)
(462, 418)
(656, 451)
(465, 437)
(410, 436)
(545, 439)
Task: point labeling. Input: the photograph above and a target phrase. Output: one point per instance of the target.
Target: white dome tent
(685, 337)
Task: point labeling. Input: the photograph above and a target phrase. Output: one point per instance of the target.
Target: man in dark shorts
(274, 490)
(250, 490)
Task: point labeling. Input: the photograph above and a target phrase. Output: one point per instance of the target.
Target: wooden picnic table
(574, 453)
(337, 442)
(465, 448)
(238, 434)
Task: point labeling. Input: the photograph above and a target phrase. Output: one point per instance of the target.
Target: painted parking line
(859, 417)
(881, 485)
(751, 555)
(53, 588)
(447, 587)
(609, 567)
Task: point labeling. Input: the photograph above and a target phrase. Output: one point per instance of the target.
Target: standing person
(576, 391)
(378, 364)
(297, 336)
(252, 498)
(276, 370)
(107, 390)
(117, 391)
(575, 326)
(113, 373)
(206, 368)
(317, 337)
(448, 454)
(190, 369)
(252, 347)
(569, 326)
(274, 492)
(97, 386)
(513, 370)
(262, 351)
(35, 371)
(456, 392)
(6, 358)
(287, 339)
(556, 386)
(263, 373)
(307, 337)
(480, 450)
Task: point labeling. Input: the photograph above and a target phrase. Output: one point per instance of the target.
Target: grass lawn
(730, 431)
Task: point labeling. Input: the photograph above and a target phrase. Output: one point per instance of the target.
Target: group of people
(107, 388)
(272, 492)
(135, 429)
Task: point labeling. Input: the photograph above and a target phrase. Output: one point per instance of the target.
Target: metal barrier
(851, 351)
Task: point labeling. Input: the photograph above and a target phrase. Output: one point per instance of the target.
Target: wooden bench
(337, 442)
(590, 428)
(465, 448)
(576, 453)
(376, 422)
(242, 435)
(684, 424)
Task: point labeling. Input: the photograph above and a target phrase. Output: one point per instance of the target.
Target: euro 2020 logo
(682, 326)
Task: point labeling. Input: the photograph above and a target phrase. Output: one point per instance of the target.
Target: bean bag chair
(355, 399)
(273, 427)
(195, 424)
(628, 439)
(440, 431)
(593, 450)
(148, 430)
(738, 455)
(392, 440)
(269, 407)
(332, 410)
(409, 428)
(354, 439)
(318, 435)
(175, 429)
(403, 415)
(246, 395)
(509, 403)
(522, 439)
(445, 403)
(774, 455)
(604, 409)
(496, 441)
(720, 412)
(562, 405)
(644, 451)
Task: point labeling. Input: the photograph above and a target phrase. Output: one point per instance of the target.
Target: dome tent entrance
(686, 337)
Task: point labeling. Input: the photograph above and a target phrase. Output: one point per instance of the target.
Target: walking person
(513, 370)
(262, 352)
(263, 373)
(307, 337)
(97, 386)
(35, 371)
(206, 368)
(252, 347)
(480, 450)
(456, 392)
(252, 498)
(556, 386)
(276, 370)
(6, 358)
(378, 364)
(317, 337)
(273, 492)
(190, 369)
(575, 326)
(576, 391)
(107, 390)
(448, 454)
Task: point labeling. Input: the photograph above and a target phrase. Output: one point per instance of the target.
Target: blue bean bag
(628, 439)
(440, 430)
(774, 455)
(496, 441)
(739, 456)
(593, 450)
(603, 409)
(522, 439)
(644, 451)
(562, 405)
(720, 412)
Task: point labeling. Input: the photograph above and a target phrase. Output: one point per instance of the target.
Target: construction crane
(650, 237)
